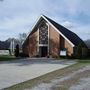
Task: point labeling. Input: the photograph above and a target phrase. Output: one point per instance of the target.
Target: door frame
(40, 50)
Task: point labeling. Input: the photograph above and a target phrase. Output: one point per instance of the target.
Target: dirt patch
(84, 84)
(73, 79)
(69, 81)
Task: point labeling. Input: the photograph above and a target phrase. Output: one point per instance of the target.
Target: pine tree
(17, 50)
(79, 51)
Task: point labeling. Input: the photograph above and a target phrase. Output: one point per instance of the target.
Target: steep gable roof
(66, 32)
(70, 36)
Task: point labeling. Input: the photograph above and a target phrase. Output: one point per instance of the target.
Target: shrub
(79, 51)
(23, 55)
(17, 50)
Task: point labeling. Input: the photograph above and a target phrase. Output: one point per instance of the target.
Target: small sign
(63, 53)
(4, 52)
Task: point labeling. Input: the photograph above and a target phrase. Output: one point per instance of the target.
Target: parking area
(17, 71)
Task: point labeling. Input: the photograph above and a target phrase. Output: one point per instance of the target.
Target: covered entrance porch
(43, 51)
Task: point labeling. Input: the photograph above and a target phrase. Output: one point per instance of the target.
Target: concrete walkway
(13, 72)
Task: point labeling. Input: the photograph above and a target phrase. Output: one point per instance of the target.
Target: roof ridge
(73, 37)
(58, 23)
(69, 35)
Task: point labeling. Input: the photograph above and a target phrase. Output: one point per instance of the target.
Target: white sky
(18, 16)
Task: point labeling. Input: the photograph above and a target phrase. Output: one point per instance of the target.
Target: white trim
(43, 44)
(48, 39)
(38, 40)
(58, 31)
(32, 28)
(52, 26)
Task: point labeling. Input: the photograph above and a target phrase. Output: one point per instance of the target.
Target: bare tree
(17, 50)
(22, 37)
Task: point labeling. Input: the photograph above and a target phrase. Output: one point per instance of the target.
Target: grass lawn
(6, 57)
(84, 61)
(48, 77)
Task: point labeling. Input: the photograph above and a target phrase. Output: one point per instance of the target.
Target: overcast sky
(18, 16)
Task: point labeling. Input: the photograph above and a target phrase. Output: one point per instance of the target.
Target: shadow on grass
(84, 61)
(7, 58)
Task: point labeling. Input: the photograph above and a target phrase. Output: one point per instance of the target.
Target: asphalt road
(14, 72)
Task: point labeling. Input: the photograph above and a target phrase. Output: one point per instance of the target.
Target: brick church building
(48, 38)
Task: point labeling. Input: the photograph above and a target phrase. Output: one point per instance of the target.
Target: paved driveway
(13, 72)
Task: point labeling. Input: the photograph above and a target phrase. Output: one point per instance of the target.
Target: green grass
(84, 61)
(6, 57)
(46, 78)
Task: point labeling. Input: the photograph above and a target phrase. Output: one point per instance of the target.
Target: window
(43, 33)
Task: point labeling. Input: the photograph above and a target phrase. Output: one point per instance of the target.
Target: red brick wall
(57, 42)
(25, 48)
(69, 48)
(30, 47)
(54, 40)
